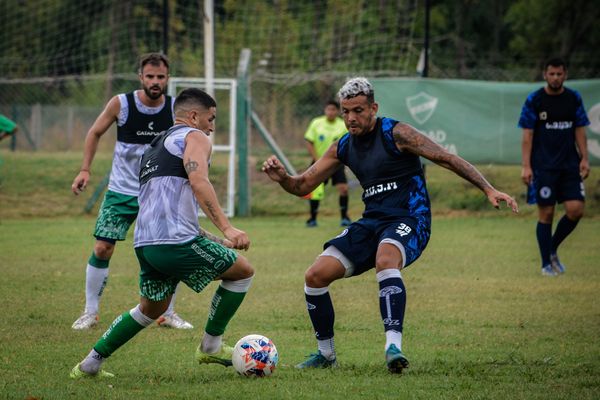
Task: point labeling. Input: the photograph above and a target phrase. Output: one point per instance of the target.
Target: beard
(154, 95)
(556, 87)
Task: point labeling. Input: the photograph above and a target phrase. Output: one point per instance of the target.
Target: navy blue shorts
(339, 176)
(359, 242)
(553, 187)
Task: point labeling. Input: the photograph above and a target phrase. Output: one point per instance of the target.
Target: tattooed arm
(305, 183)
(210, 236)
(195, 161)
(409, 139)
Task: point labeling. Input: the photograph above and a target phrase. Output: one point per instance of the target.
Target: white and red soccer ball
(255, 355)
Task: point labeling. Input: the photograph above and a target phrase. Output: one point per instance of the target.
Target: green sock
(224, 304)
(96, 262)
(120, 332)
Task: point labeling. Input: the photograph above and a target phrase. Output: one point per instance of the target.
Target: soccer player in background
(140, 116)
(7, 127)
(321, 133)
(395, 226)
(555, 159)
(173, 182)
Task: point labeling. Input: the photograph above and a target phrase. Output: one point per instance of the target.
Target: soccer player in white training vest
(169, 243)
(140, 116)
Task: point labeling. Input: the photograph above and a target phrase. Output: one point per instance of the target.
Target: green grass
(481, 321)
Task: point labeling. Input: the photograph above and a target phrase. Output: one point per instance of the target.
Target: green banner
(476, 119)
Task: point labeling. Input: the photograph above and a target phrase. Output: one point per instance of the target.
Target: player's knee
(104, 250)
(245, 269)
(314, 278)
(546, 217)
(153, 309)
(386, 261)
(575, 214)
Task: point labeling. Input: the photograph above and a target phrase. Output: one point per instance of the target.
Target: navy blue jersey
(386, 174)
(553, 120)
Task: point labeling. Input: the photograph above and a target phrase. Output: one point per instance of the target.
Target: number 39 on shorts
(403, 229)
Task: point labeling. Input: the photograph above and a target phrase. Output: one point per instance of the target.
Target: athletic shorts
(557, 186)
(117, 213)
(359, 242)
(195, 263)
(339, 176)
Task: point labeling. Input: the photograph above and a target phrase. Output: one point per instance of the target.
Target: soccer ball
(255, 355)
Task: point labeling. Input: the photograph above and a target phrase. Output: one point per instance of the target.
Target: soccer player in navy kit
(555, 159)
(395, 227)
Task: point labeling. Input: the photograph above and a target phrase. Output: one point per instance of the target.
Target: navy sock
(564, 227)
(392, 303)
(344, 206)
(314, 208)
(320, 311)
(544, 238)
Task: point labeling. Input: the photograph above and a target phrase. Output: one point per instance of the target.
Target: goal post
(224, 137)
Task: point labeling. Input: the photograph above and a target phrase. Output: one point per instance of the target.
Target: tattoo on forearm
(311, 170)
(212, 210)
(470, 173)
(407, 138)
(212, 237)
(190, 166)
(292, 185)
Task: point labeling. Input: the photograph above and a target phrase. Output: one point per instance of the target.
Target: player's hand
(80, 182)
(274, 169)
(239, 239)
(584, 169)
(495, 197)
(526, 175)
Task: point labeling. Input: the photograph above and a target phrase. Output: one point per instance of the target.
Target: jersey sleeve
(387, 126)
(175, 143)
(528, 115)
(581, 118)
(124, 110)
(311, 133)
(342, 148)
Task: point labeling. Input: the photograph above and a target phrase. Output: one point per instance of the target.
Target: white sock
(239, 286)
(95, 281)
(140, 317)
(92, 363)
(327, 348)
(211, 344)
(388, 273)
(393, 337)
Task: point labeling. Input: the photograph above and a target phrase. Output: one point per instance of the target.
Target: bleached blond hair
(356, 87)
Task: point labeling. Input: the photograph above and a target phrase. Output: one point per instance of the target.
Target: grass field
(481, 321)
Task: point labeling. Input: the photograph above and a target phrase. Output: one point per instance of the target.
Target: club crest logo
(421, 106)
(543, 116)
(545, 192)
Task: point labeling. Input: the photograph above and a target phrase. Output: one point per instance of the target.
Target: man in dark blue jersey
(395, 227)
(555, 159)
